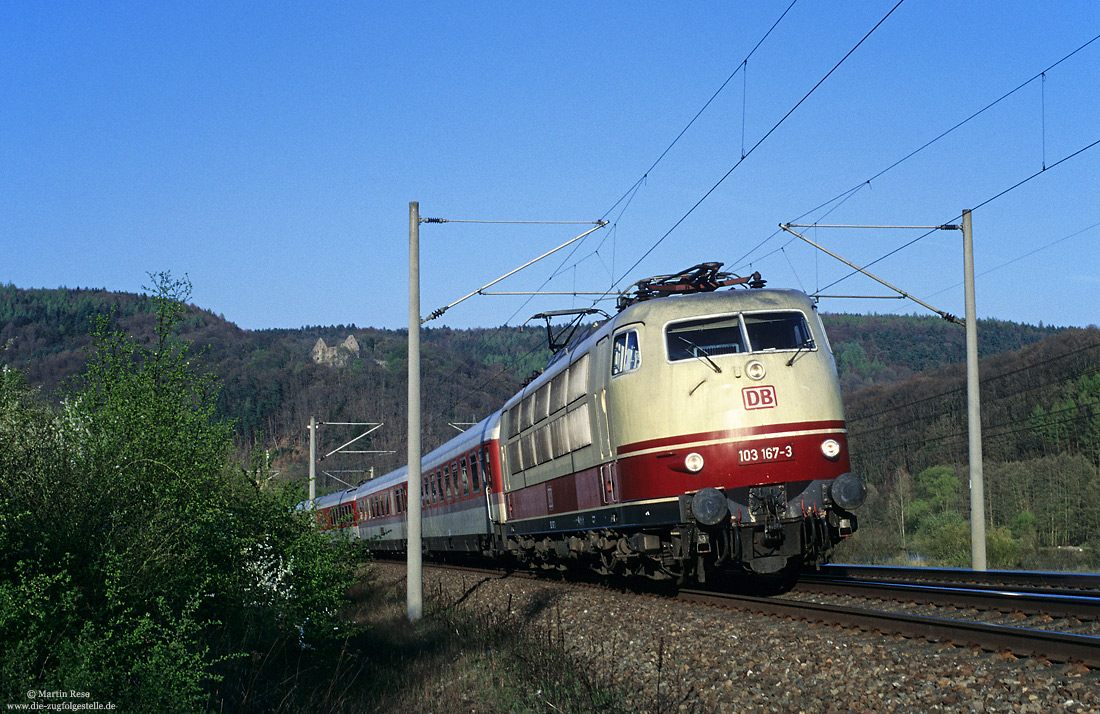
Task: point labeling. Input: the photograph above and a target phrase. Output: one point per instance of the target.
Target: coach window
(474, 476)
(465, 478)
(625, 356)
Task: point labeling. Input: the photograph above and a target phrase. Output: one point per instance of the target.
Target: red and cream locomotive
(697, 430)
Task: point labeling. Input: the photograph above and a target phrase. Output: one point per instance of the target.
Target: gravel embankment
(712, 660)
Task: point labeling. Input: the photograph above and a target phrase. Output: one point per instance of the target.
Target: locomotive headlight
(848, 491)
(693, 462)
(755, 370)
(709, 506)
(830, 449)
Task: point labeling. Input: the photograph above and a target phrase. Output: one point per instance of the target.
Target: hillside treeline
(1040, 413)
(269, 385)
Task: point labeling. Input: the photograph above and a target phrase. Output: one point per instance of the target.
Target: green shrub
(134, 557)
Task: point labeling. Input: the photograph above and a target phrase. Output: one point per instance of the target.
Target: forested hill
(874, 349)
(273, 381)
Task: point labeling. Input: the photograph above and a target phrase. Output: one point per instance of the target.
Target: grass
(459, 658)
(469, 659)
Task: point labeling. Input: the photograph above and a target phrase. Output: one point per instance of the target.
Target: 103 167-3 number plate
(765, 453)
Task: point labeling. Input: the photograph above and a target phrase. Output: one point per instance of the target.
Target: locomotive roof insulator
(701, 278)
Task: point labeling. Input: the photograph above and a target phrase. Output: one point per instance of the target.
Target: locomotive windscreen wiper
(807, 344)
(700, 353)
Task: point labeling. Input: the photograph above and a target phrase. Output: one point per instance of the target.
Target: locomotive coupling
(848, 491)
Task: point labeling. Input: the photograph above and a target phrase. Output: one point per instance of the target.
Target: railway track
(1020, 641)
(1076, 604)
(1030, 620)
(1000, 579)
(1050, 615)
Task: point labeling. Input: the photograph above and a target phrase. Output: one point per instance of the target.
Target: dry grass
(455, 660)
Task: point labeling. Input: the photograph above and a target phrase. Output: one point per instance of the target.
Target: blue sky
(269, 151)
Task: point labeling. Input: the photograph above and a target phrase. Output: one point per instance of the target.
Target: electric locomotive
(697, 430)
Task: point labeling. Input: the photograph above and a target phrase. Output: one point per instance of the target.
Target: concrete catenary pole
(973, 404)
(312, 463)
(414, 575)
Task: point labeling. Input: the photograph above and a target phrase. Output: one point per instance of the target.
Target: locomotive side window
(625, 355)
(542, 403)
(543, 449)
(527, 451)
(578, 425)
(559, 437)
(526, 412)
(511, 418)
(699, 339)
(558, 390)
(578, 379)
(777, 331)
(515, 458)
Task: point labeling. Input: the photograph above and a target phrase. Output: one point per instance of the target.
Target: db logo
(759, 397)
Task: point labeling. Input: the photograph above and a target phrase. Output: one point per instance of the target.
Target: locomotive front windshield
(707, 337)
(777, 331)
(735, 334)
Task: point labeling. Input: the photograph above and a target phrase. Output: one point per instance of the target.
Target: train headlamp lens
(830, 448)
(709, 506)
(693, 462)
(755, 370)
(848, 491)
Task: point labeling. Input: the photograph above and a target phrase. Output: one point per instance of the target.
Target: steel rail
(1055, 646)
(1030, 601)
(996, 578)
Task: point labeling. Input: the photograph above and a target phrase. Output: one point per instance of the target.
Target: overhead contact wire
(847, 194)
(699, 113)
(762, 140)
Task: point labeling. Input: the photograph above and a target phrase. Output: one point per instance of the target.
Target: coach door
(598, 382)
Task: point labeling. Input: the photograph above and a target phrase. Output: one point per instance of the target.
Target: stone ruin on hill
(337, 355)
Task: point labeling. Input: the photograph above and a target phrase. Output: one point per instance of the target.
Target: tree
(134, 556)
